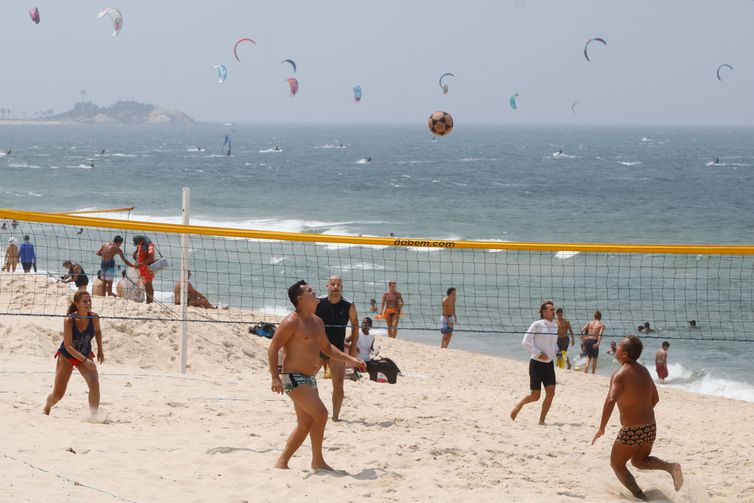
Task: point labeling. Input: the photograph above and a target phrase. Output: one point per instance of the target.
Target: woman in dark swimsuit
(80, 326)
(76, 274)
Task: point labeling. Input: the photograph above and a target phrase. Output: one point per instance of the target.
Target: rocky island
(121, 112)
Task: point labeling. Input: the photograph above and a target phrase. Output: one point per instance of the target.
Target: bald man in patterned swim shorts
(632, 389)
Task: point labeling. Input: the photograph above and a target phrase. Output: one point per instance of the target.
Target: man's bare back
(661, 357)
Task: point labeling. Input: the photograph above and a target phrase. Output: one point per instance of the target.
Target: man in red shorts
(661, 361)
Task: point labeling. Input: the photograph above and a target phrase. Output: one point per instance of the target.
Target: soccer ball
(440, 123)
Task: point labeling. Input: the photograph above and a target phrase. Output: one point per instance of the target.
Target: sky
(658, 66)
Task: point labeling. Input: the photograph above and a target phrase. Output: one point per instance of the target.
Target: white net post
(184, 278)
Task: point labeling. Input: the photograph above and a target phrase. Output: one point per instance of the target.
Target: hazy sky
(658, 67)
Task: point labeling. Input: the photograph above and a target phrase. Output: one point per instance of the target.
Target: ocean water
(615, 185)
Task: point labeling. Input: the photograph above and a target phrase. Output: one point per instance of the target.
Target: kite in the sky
(512, 101)
(222, 73)
(357, 93)
(115, 16)
(235, 47)
(293, 84)
(586, 47)
(573, 106)
(444, 86)
(290, 62)
(34, 14)
(724, 65)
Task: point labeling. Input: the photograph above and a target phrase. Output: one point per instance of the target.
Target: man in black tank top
(336, 313)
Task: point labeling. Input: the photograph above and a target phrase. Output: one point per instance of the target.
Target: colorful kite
(115, 16)
(443, 86)
(235, 47)
(293, 84)
(222, 73)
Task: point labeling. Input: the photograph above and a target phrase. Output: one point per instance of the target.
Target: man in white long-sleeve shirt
(541, 342)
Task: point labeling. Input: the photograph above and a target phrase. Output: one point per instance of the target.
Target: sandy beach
(442, 433)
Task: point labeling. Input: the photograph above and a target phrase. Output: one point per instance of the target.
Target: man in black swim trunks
(336, 312)
(632, 389)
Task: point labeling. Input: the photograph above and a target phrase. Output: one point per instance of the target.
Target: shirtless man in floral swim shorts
(632, 388)
(302, 335)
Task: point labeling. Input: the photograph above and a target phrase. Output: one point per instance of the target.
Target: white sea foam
(277, 311)
(263, 224)
(22, 165)
(360, 266)
(363, 161)
(492, 250)
(705, 383)
(327, 146)
(423, 161)
(563, 255)
(270, 151)
(629, 163)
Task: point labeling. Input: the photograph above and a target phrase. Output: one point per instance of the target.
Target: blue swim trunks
(446, 325)
(107, 270)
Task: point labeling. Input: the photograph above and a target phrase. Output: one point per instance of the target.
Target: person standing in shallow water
(392, 304)
(448, 319)
(541, 342)
(592, 336)
(302, 335)
(564, 328)
(80, 326)
(632, 389)
(661, 361)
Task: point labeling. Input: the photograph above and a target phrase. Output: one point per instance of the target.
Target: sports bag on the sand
(383, 370)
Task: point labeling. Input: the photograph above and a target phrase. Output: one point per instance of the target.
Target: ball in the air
(440, 123)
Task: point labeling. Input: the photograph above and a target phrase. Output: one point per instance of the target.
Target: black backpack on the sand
(383, 370)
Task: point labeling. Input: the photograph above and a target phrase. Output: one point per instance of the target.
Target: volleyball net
(683, 291)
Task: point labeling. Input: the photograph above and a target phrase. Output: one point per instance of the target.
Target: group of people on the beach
(315, 334)
(140, 289)
(391, 311)
(631, 389)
